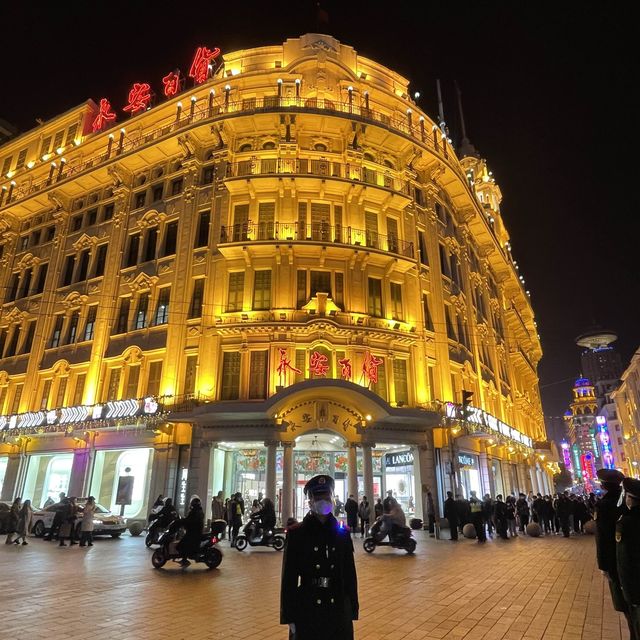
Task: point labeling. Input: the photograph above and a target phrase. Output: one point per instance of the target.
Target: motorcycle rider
(264, 519)
(393, 518)
(165, 516)
(194, 526)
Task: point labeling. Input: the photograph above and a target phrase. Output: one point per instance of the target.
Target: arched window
(269, 145)
(388, 163)
(245, 147)
(369, 157)
(138, 462)
(320, 146)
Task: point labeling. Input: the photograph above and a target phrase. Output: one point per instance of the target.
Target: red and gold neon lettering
(370, 367)
(139, 97)
(200, 65)
(104, 116)
(345, 368)
(318, 364)
(171, 84)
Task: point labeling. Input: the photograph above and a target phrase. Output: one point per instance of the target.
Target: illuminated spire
(466, 148)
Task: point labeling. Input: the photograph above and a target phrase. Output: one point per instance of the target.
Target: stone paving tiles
(529, 589)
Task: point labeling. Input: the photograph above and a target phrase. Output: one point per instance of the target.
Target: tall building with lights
(280, 268)
(627, 404)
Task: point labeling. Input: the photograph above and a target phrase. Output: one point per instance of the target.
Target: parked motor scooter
(207, 552)
(270, 538)
(396, 536)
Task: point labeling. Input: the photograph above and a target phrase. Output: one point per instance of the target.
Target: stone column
(486, 474)
(352, 470)
(79, 469)
(287, 481)
(270, 471)
(367, 472)
(533, 477)
(424, 472)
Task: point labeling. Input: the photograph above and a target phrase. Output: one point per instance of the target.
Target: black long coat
(606, 515)
(194, 526)
(316, 550)
(628, 554)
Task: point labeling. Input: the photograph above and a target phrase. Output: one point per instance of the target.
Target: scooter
(155, 531)
(207, 552)
(397, 537)
(271, 538)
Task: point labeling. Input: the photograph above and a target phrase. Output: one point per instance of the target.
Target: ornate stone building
(291, 259)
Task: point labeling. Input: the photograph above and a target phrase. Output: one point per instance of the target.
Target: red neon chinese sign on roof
(139, 97)
(105, 115)
(370, 367)
(200, 65)
(318, 364)
(171, 83)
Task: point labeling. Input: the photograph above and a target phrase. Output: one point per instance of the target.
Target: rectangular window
(395, 290)
(157, 192)
(230, 375)
(67, 271)
(50, 234)
(101, 260)
(176, 187)
(57, 140)
(42, 277)
(400, 381)
(71, 134)
(302, 220)
(35, 238)
(114, 383)
(13, 287)
(155, 375)
(258, 375)
(444, 261)
(162, 310)
(83, 266)
(132, 381)
(240, 222)
(338, 294)
(46, 146)
(123, 315)
(380, 387)
(428, 319)
(202, 234)
(24, 243)
(422, 241)
(26, 283)
(3, 342)
(392, 235)
(13, 342)
(61, 392)
(320, 222)
(72, 330)
(89, 326)
(107, 212)
(22, 156)
(170, 238)
(207, 175)
(44, 398)
(76, 223)
(451, 332)
(57, 331)
(195, 309)
(92, 216)
(132, 252)
(462, 333)
(266, 220)
(17, 396)
(301, 288)
(371, 228)
(150, 242)
(320, 281)
(236, 291)
(190, 374)
(139, 199)
(262, 290)
(78, 390)
(337, 219)
(140, 321)
(374, 300)
(28, 340)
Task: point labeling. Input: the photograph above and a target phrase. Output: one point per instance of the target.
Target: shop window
(258, 375)
(202, 233)
(190, 374)
(140, 321)
(195, 308)
(374, 299)
(395, 290)
(78, 390)
(42, 277)
(170, 239)
(155, 375)
(114, 384)
(123, 315)
(89, 326)
(133, 378)
(47, 476)
(400, 381)
(262, 290)
(61, 392)
(236, 291)
(162, 310)
(137, 461)
(230, 376)
(57, 331)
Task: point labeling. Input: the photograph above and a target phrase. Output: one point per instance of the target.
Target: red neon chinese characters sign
(200, 65)
(171, 84)
(318, 364)
(139, 97)
(104, 116)
(285, 364)
(370, 367)
(345, 368)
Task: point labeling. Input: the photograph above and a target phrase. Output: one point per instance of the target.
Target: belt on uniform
(323, 583)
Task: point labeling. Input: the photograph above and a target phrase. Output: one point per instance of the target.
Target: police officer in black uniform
(319, 591)
(628, 553)
(606, 514)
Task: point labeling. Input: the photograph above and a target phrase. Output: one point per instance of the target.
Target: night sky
(548, 99)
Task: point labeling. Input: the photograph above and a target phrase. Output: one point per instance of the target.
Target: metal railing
(321, 168)
(315, 232)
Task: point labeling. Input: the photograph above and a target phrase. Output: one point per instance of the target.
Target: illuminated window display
(47, 476)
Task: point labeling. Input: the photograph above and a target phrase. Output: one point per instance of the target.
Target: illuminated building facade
(291, 258)
(627, 403)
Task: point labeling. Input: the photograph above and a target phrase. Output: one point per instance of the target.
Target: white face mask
(322, 507)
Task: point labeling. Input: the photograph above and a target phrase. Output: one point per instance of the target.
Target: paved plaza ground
(524, 588)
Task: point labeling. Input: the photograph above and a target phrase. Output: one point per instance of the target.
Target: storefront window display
(496, 471)
(469, 474)
(3, 470)
(107, 469)
(399, 478)
(47, 476)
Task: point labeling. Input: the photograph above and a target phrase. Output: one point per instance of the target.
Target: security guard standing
(606, 513)
(319, 591)
(628, 553)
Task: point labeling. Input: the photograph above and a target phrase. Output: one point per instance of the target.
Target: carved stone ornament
(28, 260)
(85, 242)
(74, 300)
(151, 218)
(61, 368)
(7, 222)
(133, 355)
(142, 282)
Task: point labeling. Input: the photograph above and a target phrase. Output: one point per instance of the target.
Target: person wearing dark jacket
(464, 511)
(451, 514)
(500, 515)
(319, 591)
(264, 517)
(606, 514)
(58, 518)
(522, 508)
(477, 518)
(563, 510)
(628, 553)
(487, 514)
(194, 526)
(236, 511)
(14, 519)
(538, 511)
(378, 508)
(351, 509)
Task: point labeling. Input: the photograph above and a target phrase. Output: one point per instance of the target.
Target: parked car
(105, 523)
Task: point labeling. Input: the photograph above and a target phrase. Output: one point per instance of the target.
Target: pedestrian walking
(58, 517)
(464, 511)
(351, 509)
(476, 517)
(364, 513)
(378, 508)
(628, 553)
(86, 524)
(511, 516)
(431, 513)
(319, 591)
(451, 514)
(24, 522)
(522, 509)
(64, 530)
(487, 514)
(236, 508)
(563, 509)
(13, 520)
(500, 515)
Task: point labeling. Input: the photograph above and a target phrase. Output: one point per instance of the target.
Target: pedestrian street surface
(522, 588)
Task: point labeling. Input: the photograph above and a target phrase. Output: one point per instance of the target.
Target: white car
(105, 523)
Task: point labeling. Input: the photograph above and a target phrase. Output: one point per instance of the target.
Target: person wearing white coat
(86, 526)
(24, 522)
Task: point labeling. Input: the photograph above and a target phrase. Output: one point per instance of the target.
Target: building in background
(279, 269)
(627, 402)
